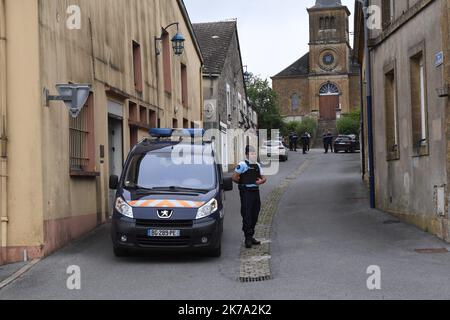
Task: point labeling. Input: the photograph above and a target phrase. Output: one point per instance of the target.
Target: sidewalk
(11, 272)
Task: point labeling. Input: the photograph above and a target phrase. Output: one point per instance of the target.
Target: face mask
(252, 158)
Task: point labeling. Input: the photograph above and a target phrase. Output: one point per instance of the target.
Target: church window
(329, 89)
(328, 59)
(333, 23)
(295, 102)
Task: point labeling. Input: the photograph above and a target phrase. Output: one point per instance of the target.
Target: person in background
(328, 141)
(295, 141)
(309, 140)
(305, 142)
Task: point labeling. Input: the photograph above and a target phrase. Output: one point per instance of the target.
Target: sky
(273, 33)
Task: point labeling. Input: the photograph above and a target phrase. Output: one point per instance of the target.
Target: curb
(18, 273)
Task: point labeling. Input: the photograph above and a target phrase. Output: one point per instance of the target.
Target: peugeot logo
(165, 214)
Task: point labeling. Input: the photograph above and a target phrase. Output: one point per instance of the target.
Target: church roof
(214, 39)
(301, 68)
(327, 3)
(298, 68)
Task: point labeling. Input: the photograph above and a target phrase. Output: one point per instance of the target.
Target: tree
(350, 123)
(300, 127)
(265, 101)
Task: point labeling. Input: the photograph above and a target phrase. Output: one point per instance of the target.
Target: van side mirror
(220, 171)
(227, 183)
(113, 182)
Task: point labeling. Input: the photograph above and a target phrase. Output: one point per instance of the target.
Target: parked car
(161, 204)
(347, 143)
(275, 149)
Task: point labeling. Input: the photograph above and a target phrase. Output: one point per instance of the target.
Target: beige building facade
(55, 169)
(410, 78)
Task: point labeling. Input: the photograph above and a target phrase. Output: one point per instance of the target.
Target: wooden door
(328, 107)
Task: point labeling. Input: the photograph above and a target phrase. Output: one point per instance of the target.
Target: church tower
(329, 37)
(322, 84)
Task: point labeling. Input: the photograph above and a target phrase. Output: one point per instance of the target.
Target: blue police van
(170, 195)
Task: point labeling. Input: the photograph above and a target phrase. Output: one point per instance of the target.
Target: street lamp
(73, 95)
(247, 75)
(177, 41)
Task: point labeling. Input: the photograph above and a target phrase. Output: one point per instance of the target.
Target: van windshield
(157, 170)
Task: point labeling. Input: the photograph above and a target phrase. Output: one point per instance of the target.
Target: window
(149, 170)
(240, 102)
(295, 102)
(185, 124)
(184, 86)
(419, 104)
(137, 66)
(133, 136)
(82, 140)
(175, 123)
(228, 103)
(329, 89)
(387, 12)
(167, 63)
(152, 119)
(143, 115)
(390, 96)
(132, 111)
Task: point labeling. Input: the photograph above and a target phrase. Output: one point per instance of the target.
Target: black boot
(248, 243)
(256, 242)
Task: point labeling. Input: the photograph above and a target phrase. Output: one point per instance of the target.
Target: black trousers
(328, 146)
(250, 208)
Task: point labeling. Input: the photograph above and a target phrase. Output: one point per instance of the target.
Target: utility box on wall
(440, 200)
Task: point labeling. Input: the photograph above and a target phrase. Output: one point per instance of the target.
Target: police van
(170, 195)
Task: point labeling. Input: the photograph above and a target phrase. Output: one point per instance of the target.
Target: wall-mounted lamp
(73, 95)
(247, 75)
(177, 41)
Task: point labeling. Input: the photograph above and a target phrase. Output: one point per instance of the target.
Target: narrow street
(323, 240)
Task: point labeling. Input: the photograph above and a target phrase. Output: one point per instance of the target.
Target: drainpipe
(369, 106)
(3, 136)
(363, 126)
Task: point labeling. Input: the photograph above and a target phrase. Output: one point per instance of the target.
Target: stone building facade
(324, 82)
(55, 169)
(409, 50)
(227, 110)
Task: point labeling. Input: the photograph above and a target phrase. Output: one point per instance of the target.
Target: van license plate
(164, 233)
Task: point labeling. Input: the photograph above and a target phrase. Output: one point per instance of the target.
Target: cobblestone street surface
(319, 240)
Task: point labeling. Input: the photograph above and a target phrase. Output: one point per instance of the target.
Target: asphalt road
(323, 241)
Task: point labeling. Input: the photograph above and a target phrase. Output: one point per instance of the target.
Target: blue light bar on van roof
(167, 133)
(161, 133)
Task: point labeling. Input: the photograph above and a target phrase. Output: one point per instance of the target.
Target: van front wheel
(120, 252)
(216, 252)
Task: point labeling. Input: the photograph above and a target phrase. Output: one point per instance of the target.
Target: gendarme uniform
(250, 197)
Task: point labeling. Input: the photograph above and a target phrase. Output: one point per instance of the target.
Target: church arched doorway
(329, 101)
